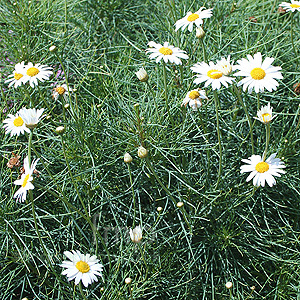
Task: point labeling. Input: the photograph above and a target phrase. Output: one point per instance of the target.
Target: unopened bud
(200, 33)
(127, 158)
(128, 280)
(52, 48)
(229, 285)
(60, 129)
(67, 105)
(179, 204)
(252, 288)
(142, 152)
(142, 75)
(159, 209)
(48, 117)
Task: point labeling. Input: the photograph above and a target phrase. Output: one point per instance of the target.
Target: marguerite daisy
(264, 115)
(258, 75)
(295, 5)
(211, 74)
(81, 267)
(15, 125)
(18, 76)
(263, 171)
(37, 72)
(31, 116)
(61, 90)
(194, 98)
(193, 18)
(166, 52)
(25, 181)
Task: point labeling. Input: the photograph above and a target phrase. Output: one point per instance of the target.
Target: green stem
(166, 91)
(133, 195)
(247, 114)
(203, 48)
(81, 291)
(154, 98)
(292, 38)
(143, 258)
(267, 140)
(216, 99)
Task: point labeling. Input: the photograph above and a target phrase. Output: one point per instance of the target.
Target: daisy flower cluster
(24, 120)
(29, 73)
(254, 74)
(258, 74)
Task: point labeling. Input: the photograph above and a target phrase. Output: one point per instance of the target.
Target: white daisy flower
(25, 181)
(193, 18)
(258, 75)
(31, 116)
(81, 267)
(224, 65)
(15, 125)
(37, 72)
(263, 171)
(264, 115)
(166, 52)
(210, 74)
(295, 5)
(194, 98)
(18, 76)
(61, 90)
(136, 234)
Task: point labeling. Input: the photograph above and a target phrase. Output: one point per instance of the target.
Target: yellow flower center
(194, 95)
(18, 122)
(32, 71)
(25, 180)
(262, 167)
(165, 51)
(18, 76)
(82, 266)
(258, 73)
(60, 90)
(193, 17)
(214, 74)
(294, 5)
(266, 117)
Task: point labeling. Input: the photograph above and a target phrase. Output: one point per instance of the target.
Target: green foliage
(86, 198)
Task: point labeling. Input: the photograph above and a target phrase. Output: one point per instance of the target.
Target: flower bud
(142, 152)
(67, 105)
(52, 48)
(127, 158)
(142, 75)
(128, 280)
(60, 129)
(136, 234)
(159, 209)
(200, 33)
(179, 204)
(229, 285)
